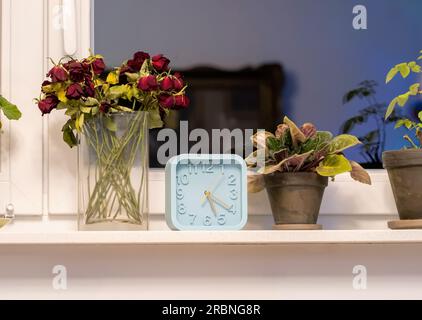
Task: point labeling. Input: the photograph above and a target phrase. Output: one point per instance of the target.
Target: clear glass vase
(113, 173)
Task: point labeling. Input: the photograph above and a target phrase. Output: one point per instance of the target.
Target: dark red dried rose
(48, 103)
(166, 101)
(57, 73)
(166, 84)
(77, 70)
(178, 83)
(74, 91)
(308, 130)
(160, 62)
(137, 61)
(148, 83)
(89, 88)
(105, 107)
(181, 101)
(98, 66)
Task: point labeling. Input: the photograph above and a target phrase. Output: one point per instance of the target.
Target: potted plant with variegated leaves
(294, 165)
(405, 166)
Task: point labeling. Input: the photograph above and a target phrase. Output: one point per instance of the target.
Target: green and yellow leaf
(391, 74)
(10, 110)
(390, 108)
(342, 142)
(403, 69)
(333, 165)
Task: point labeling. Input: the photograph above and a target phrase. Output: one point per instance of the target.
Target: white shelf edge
(261, 237)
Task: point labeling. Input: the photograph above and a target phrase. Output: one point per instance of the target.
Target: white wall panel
(22, 71)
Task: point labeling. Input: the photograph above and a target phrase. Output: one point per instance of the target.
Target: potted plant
(294, 164)
(11, 112)
(405, 166)
(109, 114)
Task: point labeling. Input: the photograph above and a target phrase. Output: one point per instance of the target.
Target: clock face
(209, 194)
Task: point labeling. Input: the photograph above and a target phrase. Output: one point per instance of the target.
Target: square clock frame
(206, 192)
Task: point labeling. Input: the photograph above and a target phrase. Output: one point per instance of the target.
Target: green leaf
(404, 69)
(414, 67)
(402, 99)
(116, 92)
(273, 144)
(420, 58)
(90, 102)
(420, 115)
(333, 165)
(144, 69)
(62, 105)
(85, 109)
(110, 124)
(79, 122)
(390, 108)
(324, 136)
(155, 120)
(403, 122)
(9, 109)
(414, 89)
(391, 74)
(69, 137)
(342, 142)
(132, 77)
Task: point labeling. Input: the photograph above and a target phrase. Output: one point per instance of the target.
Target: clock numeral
(207, 221)
(182, 180)
(192, 168)
(232, 180)
(179, 193)
(232, 209)
(181, 208)
(193, 218)
(233, 194)
(221, 219)
(207, 168)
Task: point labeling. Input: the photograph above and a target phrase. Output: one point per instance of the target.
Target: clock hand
(214, 186)
(219, 201)
(207, 195)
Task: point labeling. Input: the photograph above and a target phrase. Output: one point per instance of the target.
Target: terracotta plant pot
(295, 198)
(405, 172)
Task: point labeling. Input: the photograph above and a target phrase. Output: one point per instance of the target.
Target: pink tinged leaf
(295, 132)
(256, 183)
(359, 174)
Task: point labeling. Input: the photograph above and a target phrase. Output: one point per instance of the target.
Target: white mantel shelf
(261, 237)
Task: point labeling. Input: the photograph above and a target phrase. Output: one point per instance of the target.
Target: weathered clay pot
(295, 198)
(405, 172)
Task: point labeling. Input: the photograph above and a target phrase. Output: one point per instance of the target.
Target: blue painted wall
(314, 40)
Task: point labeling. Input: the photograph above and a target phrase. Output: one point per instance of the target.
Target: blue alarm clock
(206, 192)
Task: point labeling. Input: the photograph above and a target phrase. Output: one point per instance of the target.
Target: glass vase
(113, 173)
